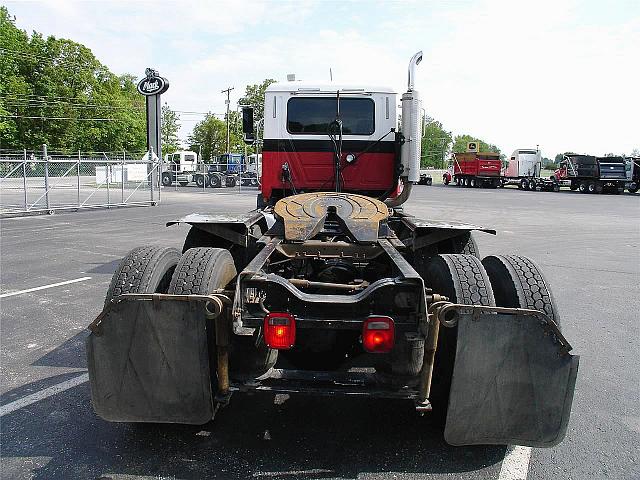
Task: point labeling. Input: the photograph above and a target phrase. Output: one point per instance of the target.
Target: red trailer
(477, 169)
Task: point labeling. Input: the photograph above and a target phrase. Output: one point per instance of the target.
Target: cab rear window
(312, 116)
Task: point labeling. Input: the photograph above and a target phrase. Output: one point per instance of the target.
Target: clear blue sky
(559, 73)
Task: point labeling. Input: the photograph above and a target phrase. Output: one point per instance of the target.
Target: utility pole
(228, 102)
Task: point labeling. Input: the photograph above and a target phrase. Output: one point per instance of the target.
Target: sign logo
(472, 147)
(152, 84)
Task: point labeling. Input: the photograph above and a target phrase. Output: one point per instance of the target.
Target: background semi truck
(183, 167)
(335, 291)
(477, 169)
(590, 174)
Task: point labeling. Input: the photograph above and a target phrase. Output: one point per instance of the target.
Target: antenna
(330, 75)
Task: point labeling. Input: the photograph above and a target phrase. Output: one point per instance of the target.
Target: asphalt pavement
(588, 246)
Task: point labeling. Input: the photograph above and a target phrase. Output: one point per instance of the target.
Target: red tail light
(280, 330)
(378, 334)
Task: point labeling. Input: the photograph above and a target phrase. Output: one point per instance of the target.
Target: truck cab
(304, 122)
(180, 166)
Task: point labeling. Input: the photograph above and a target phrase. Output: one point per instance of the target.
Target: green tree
(460, 144)
(211, 135)
(436, 143)
(169, 130)
(254, 96)
(55, 91)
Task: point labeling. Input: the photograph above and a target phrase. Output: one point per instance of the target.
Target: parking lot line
(42, 394)
(515, 465)
(51, 285)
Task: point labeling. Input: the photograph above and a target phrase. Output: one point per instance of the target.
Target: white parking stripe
(35, 289)
(42, 394)
(515, 465)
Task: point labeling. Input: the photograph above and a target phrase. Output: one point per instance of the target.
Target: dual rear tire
(199, 271)
(510, 281)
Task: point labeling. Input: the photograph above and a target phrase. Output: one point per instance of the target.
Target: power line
(11, 104)
(65, 118)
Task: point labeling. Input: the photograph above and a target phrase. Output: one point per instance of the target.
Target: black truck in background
(633, 174)
(591, 174)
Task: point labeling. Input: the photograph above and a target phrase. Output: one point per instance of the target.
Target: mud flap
(512, 383)
(149, 362)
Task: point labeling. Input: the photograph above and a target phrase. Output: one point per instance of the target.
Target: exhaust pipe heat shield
(149, 362)
(512, 383)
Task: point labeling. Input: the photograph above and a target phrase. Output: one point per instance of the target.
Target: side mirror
(247, 125)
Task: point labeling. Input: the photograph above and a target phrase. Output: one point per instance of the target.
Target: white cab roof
(305, 87)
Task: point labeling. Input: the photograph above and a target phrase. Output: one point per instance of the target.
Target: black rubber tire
(214, 181)
(465, 244)
(166, 179)
(144, 270)
(583, 187)
(556, 187)
(591, 187)
(524, 184)
(202, 270)
(633, 189)
(518, 283)
(200, 182)
(462, 279)
(231, 182)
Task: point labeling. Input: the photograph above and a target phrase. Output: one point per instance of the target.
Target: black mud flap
(149, 362)
(513, 383)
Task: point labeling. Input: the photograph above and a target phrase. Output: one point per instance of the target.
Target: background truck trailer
(590, 174)
(477, 169)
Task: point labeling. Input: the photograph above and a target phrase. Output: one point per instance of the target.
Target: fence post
(108, 169)
(151, 172)
(124, 154)
(46, 174)
(24, 177)
(78, 179)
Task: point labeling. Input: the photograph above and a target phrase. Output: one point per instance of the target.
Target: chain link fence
(45, 182)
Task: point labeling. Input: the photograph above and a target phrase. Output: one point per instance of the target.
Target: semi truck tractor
(524, 169)
(330, 287)
(590, 174)
(477, 169)
(184, 167)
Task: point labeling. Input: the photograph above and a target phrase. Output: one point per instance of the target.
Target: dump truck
(633, 174)
(477, 169)
(331, 288)
(590, 174)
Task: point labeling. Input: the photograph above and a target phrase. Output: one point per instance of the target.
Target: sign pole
(152, 87)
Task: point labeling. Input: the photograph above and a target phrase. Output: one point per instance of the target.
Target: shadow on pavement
(105, 268)
(70, 354)
(305, 437)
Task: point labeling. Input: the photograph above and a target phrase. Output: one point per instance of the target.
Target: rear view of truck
(330, 288)
(590, 174)
(477, 169)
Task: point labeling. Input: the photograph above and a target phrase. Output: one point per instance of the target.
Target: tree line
(55, 91)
